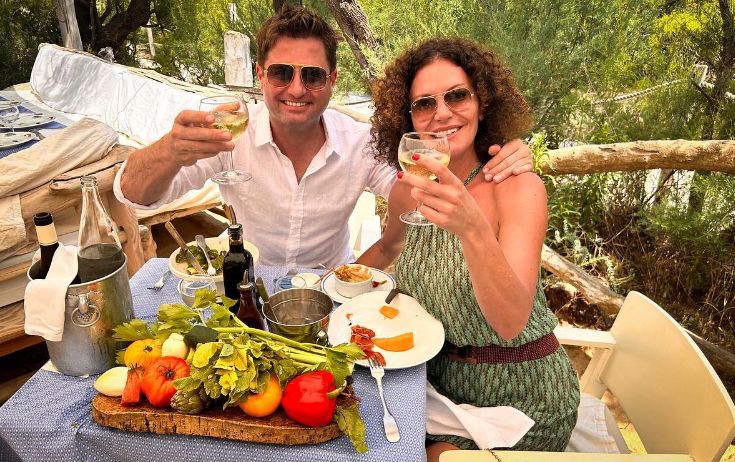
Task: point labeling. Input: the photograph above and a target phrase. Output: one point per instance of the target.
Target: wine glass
(434, 145)
(231, 114)
(9, 115)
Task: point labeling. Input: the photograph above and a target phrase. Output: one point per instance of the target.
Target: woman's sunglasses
(456, 99)
(312, 77)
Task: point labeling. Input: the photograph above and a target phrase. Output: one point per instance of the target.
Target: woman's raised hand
(447, 203)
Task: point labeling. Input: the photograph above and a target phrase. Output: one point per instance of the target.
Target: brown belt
(495, 354)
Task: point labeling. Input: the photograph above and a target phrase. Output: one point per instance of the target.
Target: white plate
(30, 120)
(12, 139)
(328, 285)
(428, 332)
(8, 103)
(218, 243)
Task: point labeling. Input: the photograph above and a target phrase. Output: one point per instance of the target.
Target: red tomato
(157, 382)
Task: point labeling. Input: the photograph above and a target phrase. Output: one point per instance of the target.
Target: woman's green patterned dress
(432, 270)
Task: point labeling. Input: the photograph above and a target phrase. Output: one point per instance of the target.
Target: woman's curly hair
(504, 112)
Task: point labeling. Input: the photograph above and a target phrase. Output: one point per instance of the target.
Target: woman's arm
(386, 249)
(503, 270)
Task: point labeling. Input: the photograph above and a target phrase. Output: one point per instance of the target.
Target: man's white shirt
(293, 224)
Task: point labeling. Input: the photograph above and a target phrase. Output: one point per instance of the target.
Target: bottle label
(46, 234)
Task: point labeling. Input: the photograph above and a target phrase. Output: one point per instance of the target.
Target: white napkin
(45, 299)
(488, 427)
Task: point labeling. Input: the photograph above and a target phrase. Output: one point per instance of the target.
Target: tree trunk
(354, 25)
(594, 291)
(238, 64)
(68, 23)
(713, 155)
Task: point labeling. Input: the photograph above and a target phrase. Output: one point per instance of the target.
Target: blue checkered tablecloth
(53, 125)
(49, 419)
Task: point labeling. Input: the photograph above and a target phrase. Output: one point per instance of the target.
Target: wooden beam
(711, 155)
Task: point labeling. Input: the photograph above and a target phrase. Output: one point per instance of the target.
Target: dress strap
(473, 174)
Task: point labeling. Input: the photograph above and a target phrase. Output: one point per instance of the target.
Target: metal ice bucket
(92, 310)
(299, 314)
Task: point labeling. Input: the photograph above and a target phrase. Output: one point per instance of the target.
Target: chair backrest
(666, 386)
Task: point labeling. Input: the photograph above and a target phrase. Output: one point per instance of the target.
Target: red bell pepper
(306, 400)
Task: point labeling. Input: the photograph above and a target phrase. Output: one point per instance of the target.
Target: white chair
(678, 405)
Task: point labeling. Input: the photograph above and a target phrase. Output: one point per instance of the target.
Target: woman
(477, 269)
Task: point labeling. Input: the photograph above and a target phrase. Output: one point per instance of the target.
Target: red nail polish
(415, 156)
(399, 175)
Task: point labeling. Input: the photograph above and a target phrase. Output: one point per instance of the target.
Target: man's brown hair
(296, 22)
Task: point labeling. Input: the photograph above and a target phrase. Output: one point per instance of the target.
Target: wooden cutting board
(231, 423)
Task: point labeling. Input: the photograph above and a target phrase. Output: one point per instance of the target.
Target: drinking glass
(9, 115)
(434, 145)
(189, 286)
(231, 114)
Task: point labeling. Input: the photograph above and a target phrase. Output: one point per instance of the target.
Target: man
(308, 164)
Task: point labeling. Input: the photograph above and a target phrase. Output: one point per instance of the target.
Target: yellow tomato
(266, 403)
(141, 353)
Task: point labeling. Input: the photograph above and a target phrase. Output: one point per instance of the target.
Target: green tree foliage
(27, 23)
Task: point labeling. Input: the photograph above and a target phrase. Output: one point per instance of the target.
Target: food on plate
(266, 402)
(377, 283)
(158, 378)
(363, 337)
(400, 342)
(388, 311)
(352, 273)
(215, 256)
(112, 381)
(142, 352)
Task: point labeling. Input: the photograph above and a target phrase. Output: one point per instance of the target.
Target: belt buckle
(465, 354)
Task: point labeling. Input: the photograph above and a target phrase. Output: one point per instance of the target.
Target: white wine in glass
(231, 114)
(434, 145)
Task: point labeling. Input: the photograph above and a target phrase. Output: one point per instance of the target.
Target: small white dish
(29, 120)
(305, 280)
(353, 289)
(12, 139)
(383, 280)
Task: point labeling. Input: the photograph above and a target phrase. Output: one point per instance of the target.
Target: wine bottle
(100, 253)
(248, 312)
(47, 241)
(237, 265)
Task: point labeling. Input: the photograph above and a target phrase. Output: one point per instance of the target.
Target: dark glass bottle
(248, 312)
(100, 253)
(238, 264)
(47, 241)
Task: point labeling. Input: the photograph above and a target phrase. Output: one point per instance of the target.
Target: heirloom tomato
(158, 379)
(141, 353)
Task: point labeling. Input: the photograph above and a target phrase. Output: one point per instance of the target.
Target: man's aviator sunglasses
(312, 77)
(455, 99)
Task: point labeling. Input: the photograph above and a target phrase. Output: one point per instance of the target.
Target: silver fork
(159, 284)
(389, 423)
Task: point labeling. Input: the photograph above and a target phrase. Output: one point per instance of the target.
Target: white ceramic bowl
(218, 243)
(353, 289)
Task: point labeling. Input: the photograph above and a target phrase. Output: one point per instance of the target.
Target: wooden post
(238, 64)
(68, 23)
(149, 33)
